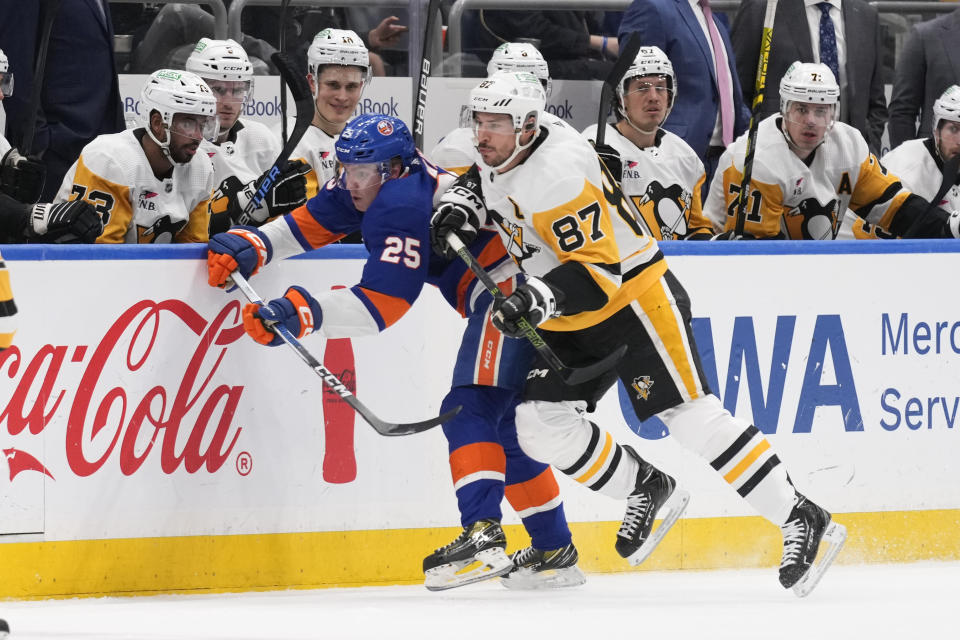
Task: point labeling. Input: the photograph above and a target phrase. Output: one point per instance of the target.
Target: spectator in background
(709, 111)
(150, 185)
(80, 98)
(842, 34)
(571, 41)
(928, 64)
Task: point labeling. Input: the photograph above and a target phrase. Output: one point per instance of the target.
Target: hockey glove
(533, 301)
(611, 158)
(242, 249)
(286, 190)
(21, 178)
(74, 222)
(297, 310)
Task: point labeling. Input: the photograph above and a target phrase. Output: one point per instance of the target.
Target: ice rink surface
(874, 601)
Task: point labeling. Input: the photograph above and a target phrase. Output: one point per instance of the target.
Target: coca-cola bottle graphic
(339, 459)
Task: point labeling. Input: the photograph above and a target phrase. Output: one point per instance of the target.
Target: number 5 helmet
(650, 61)
(170, 92)
(521, 56)
(6, 77)
(376, 139)
(519, 95)
(338, 46)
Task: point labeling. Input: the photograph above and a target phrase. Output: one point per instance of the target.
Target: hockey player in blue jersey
(387, 190)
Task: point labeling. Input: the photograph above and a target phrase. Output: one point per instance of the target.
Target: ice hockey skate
(654, 488)
(538, 569)
(801, 567)
(479, 553)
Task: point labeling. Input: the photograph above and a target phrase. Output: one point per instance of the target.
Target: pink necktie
(723, 76)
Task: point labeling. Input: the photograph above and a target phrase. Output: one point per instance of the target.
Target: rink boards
(151, 447)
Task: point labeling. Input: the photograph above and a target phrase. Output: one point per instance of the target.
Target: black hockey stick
(627, 54)
(50, 10)
(303, 100)
(570, 375)
(760, 86)
(282, 41)
(332, 381)
(949, 178)
(420, 92)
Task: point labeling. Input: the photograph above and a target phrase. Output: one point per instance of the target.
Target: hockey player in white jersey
(244, 149)
(919, 163)
(150, 184)
(815, 178)
(338, 70)
(597, 282)
(657, 169)
(456, 152)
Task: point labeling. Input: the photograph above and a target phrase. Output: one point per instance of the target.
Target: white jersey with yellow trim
(316, 148)
(248, 151)
(791, 199)
(456, 152)
(114, 175)
(915, 163)
(555, 208)
(8, 309)
(664, 181)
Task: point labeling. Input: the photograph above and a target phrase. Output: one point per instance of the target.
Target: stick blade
(409, 428)
(595, 370)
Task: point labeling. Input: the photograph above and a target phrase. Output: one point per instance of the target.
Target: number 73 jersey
(555, 208)
(841, 186)
(114, 176)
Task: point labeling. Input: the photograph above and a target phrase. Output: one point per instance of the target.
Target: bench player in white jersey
(455, 152)
(244, 149)
(150, 184)
(919, 163)
(657, 169)
(338, 70)
(815, 178)
(596, 282)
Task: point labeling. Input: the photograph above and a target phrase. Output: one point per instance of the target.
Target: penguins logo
(642, 385)
(665, 208)
(810, 220)
(517, 248)
(163, 230)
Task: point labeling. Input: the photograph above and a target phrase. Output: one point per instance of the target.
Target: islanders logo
(384, 127)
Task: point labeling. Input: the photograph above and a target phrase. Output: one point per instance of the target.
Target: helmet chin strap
(517, 149)
(165, 146)
(633, 124)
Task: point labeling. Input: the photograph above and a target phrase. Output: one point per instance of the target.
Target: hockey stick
(761, 83)
(282, 41)
(570, 375)
(50, 10)
(627, 54)
(332, 381)
(303, 100)
(420, 92)
(949, 177)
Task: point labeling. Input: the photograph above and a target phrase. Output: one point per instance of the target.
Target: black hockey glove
(74, 222)
(286, 191)
(461, 210)
(533, 301)
(611, 158)
(21, 178)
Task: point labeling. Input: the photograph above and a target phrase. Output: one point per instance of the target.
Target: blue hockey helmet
(375, 138)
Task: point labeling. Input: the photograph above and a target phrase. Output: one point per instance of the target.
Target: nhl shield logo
(641, 385)
(385, 127)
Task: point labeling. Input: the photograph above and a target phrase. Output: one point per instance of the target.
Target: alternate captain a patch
(642, 385)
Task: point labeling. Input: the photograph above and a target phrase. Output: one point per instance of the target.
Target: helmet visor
(194, 126)
(6, 83)
(235, 91)
(361, 176)
(810, 114)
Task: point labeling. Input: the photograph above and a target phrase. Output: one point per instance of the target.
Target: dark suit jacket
(928, 64)
(867, 107)
(672, 26)
(81, 96)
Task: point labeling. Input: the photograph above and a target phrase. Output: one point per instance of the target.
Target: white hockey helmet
(521, 56)
(519, 95)
(341, 47)
(946, 107)
(650, 61)
(169, 92)
(6, 76)
(220, 60)
(810, 82)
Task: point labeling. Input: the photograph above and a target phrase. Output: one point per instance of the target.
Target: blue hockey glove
(297, 310)
(242, 249)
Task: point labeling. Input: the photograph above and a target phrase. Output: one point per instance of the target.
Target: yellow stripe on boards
(738, 470)
(589, 473)
(217, 564)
